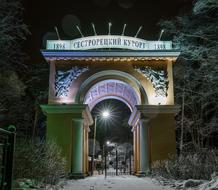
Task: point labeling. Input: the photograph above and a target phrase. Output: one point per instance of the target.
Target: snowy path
(114, 183)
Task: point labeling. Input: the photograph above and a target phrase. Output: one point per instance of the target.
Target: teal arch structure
(153, 125)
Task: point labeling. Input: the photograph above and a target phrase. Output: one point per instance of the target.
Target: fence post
(11, 141)
(8, 154)
(4, 162)
(116, 162)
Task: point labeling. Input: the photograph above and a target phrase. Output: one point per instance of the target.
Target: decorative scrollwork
(63, 80)
(158, 79)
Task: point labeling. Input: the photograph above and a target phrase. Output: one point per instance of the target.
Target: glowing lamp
(105, 114)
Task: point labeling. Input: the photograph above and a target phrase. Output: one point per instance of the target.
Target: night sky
(42, 15)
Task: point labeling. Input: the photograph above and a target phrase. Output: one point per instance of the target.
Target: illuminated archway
(141, 77)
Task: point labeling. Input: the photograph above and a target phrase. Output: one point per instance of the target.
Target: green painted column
(144, 148)
(77, 146)
(65, 126)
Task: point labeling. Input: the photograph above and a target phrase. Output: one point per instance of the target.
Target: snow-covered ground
(125, 183)
(114, 183)
(191, 184)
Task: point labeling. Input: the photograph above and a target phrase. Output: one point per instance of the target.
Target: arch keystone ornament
(90, 69)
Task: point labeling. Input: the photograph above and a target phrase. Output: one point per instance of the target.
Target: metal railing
(7, 142)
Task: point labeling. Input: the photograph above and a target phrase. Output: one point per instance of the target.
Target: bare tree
(197, 72)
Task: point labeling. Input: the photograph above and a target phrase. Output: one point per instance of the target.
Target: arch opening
(115, 124)
(111, 134)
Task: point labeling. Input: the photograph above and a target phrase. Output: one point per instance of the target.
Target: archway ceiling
(112, 89)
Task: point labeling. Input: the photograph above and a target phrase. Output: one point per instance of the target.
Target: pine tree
(13, 32)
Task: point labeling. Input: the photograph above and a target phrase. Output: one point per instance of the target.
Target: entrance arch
(143, 79)
(123, 91)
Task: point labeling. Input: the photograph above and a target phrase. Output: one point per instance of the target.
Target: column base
(142, 173)
(77, 175)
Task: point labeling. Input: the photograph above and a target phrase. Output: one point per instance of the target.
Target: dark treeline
(22, 86)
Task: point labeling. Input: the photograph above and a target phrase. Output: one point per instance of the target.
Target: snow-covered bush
(37, 161)
(197, 165)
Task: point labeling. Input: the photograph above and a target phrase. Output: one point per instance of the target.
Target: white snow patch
(114, 183)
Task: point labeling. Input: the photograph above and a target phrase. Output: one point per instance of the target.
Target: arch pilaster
(66, 125)
(156, 140)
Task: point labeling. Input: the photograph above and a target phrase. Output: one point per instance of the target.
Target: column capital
(144, 120)
(147, 112)
(78, 111)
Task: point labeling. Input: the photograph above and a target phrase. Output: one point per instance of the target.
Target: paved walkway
(114, 183)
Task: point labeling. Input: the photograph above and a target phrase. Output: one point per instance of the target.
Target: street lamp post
(105, 161)
(94, 139)
(105, 114)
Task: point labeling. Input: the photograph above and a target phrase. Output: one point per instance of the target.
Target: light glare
(105, 114)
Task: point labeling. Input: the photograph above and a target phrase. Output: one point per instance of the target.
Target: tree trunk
(182, 124)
